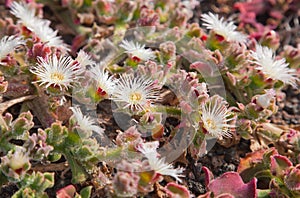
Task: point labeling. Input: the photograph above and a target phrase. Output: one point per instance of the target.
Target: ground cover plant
(121, 98)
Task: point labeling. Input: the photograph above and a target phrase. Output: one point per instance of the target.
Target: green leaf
(53, 157)
(263, 193)
(86, 192)
(72, 139)
(3, 179)
(87, 2)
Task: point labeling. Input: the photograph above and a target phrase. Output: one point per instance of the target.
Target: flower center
(220, 38)
(136, 59)
(210, 124)
(57, 76)
(135, 97)
(101, 91)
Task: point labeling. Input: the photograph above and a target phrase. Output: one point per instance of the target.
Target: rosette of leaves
(273, 169)
(34, 185)
(17, 129)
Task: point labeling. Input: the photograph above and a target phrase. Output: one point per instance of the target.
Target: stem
(116, 154)
(171, 111)
(237, 92)
(78, 173)
(230, 99)
(5, 145)
(3, 124)
(7, 104)
(119, 32)
(110, 154)
(3, 179)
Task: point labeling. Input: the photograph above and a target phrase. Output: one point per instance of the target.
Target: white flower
(137, 50)
(158, 164)
(48, 36)
(7, 45)
(84, 59)
(38, 26)
(25, 14)
(105, 83)
(265, 99)
(19, 158)
(223, 28)
(57, 72)
(214, 117)
(16, 163)
(135, 92)
(272, 68)
(85, 122)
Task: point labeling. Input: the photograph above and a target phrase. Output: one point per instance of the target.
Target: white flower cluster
(135, 92)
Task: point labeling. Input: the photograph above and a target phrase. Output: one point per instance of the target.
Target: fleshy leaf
(251, 164)
(66, 192)
(225, 195)
(208, 175)
(279, 164)
(176, 190)
(232, 183)
(86, 192)
(255, 162)
(292, 179)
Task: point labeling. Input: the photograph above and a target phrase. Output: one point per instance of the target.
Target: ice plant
(158, 164)
(137, 51)
(264, 57)
(85, 122)
(215, 118)
(57, 72)
(162, 81)
(105, 84)
(7, 44)
(221, 27)
(136, 92)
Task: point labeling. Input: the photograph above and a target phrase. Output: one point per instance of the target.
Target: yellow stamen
(135, 97)
(57, 76)
(210, 124)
